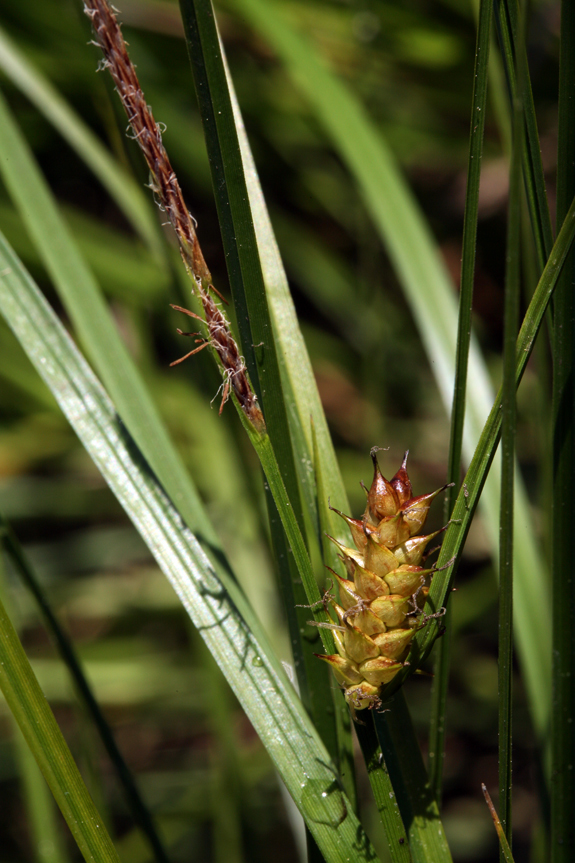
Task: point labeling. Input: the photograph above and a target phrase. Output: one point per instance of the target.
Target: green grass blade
(213, 600)
(305, 410)
(139, 810)
(469, 495)
(503, 844)
(383, 792)
(430, 294)
(37, 724)
(46, 839)
(563, 430)
(478, 112)
(84, 304)
(415, 798)
(306, 417)
(514, 50)
(123, 189)
(508, 434)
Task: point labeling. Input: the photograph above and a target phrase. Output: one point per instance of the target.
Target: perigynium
(382, 598)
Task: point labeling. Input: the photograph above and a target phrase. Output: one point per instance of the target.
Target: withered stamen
(166, 188)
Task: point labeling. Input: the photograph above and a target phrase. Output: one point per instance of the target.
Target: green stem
(514, 52)
(478, 106)
(508, 431)
(383, 792)
(415, 799)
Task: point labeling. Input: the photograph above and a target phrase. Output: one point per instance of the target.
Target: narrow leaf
(504, 845)
(42, 734)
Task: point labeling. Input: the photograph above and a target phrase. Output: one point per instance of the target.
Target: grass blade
(212, 599)
(36, 721)
(383, 792)
(46, 837)
(504, 845)
(415, 798)
(514, 51)
(139, 810)
(508, 433)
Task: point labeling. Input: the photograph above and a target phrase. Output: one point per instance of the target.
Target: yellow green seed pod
(381, 598)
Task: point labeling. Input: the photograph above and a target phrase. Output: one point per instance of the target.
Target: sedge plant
(357, 636)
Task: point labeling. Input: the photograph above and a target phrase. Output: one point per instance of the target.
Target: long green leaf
(414, 793)
(383, 792)
(46, 838)
(42, 734)
(212, 599)
(514, 51)
(24, 569)
(508, 434)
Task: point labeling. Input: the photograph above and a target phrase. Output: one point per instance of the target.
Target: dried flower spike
(165, 186)
(382, 597)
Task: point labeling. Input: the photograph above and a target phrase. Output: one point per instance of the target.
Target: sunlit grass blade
(212, 599)
(123, 188)
(46, 839)
(305, 410)
(504, 845)
(477, 126)
(25, 571)
(431, 297)
(563, 430)
(42, 734)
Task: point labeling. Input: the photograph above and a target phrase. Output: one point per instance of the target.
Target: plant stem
(508, 429)
(478, 105)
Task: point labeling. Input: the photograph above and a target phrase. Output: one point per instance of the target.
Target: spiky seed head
(385, 588)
